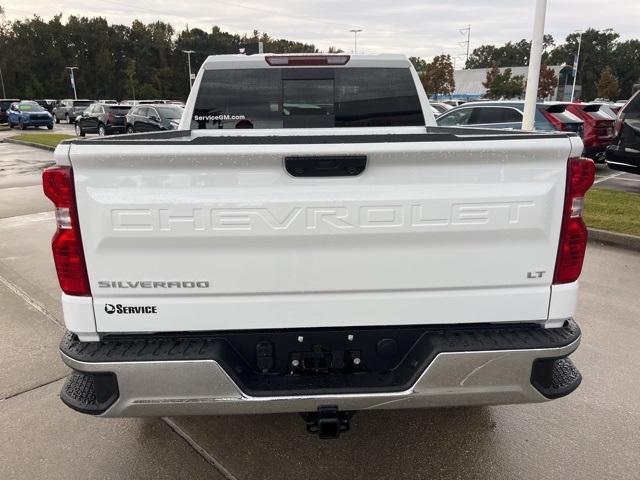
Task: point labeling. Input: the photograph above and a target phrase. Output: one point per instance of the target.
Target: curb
(630, 242)
(29, 144)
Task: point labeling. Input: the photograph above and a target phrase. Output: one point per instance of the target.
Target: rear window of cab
(307, 98)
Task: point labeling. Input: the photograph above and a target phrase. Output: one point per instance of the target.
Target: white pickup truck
(309, 241)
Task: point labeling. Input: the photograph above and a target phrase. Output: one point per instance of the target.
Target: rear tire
(101, 130)
(49, 127)
(57, 119)
(130, 129)
(79, 131)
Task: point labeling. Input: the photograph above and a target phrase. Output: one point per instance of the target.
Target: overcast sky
(415, 27)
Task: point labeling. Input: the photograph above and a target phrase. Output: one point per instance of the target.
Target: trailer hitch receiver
(327, 421)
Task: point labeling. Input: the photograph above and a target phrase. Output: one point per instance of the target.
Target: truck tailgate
(221, 236)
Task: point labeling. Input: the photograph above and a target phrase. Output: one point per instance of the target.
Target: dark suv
(624, 153)
(103, 119)
(153, 118)
(47, 103)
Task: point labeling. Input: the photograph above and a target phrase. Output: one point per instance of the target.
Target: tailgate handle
(326, 166)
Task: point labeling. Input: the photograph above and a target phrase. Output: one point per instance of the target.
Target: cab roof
(239, 61)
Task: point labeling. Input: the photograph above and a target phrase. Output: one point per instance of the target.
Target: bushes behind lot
(613, 210)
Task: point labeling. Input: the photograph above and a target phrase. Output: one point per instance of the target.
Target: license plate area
(321, 360)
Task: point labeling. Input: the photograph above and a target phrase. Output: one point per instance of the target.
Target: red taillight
(302, 60)
(573, 234)
(604, 128)
(66, 244)
(109, 118)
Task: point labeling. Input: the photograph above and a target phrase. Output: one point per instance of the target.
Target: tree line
(607, 68)
(141, 61)
(144, 61)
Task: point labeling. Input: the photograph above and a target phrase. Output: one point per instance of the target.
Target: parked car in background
(454, 103)
(153, 118)
(435, 111)
(103, 119)
(5, 103)
(148, 102)
(608, 109)
(69, 109)
(108, 102)
(624, 153)
(507, 114)
(47, 103)
(598, 128)
(28, 114)
(440, 107)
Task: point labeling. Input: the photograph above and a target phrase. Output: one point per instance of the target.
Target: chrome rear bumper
(202, 387)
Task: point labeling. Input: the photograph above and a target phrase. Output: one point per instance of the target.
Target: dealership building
(469, 82)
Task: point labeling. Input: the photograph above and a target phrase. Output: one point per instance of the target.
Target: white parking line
(631, 179)
(608, 177)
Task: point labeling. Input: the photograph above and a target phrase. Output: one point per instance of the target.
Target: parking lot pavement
(591, 434)
(29, 341)
(21, 165)
(43, 439)
(615, 180)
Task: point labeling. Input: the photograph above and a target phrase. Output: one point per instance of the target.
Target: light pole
(535, 59)
(575, 68)
(189, 52)
(468, 41)
(355, 39)
(73, 81)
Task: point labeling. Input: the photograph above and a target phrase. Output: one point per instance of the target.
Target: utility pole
(73, 81)
(466, 30)
(189, 52)
(355, 39)
(575, 68)
(4, 94)
(535, 59)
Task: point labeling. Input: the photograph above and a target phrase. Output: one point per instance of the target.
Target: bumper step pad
(90, 393)
(555, 378)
